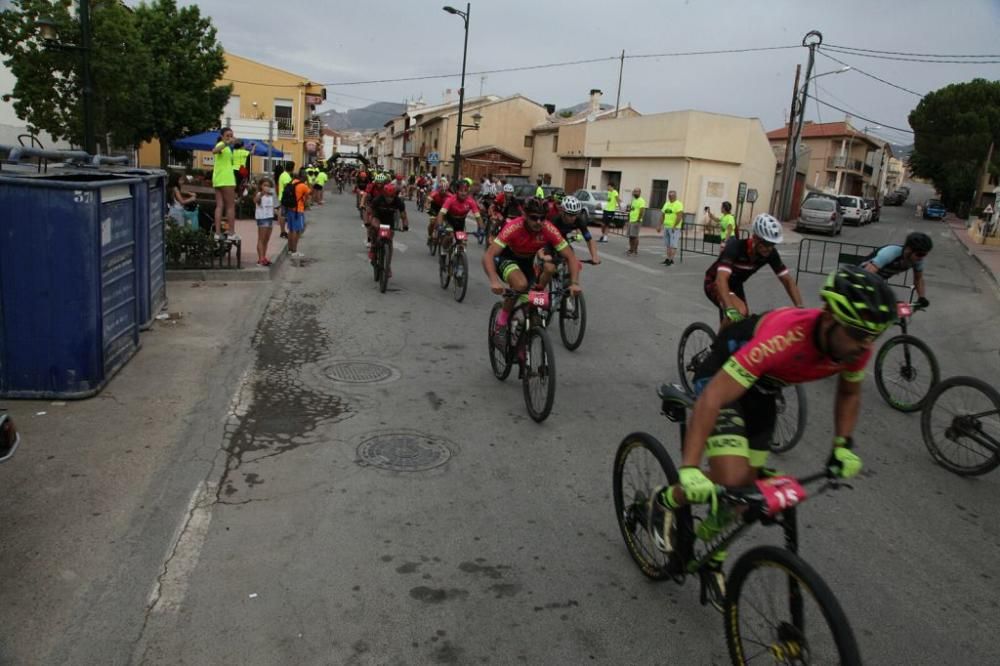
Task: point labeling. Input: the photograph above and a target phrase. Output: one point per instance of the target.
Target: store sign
(751, 196)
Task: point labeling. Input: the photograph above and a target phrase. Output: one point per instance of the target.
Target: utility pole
(812, 40)
(457, 164)
(621, 68)
(788, 144)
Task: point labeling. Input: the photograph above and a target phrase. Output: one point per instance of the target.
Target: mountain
(373, 116)
(901, 152)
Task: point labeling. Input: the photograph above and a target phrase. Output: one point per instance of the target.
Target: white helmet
(571, 205)
(508, 189)
(767, 228)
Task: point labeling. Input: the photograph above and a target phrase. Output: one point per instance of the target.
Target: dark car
(9, 439)
(934, 210)
(894, 198)
(525, 191)
(876, 209)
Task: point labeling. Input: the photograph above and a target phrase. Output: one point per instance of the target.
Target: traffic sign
(751, 196)
(433, 158)
(741, 194)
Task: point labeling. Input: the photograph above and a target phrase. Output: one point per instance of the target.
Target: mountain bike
(695, 345)
(572, 309)
(382, 260)
(525, 340)
(774, 604)
(960, 423)
(453, 264)
(905, 367)
(421, 192)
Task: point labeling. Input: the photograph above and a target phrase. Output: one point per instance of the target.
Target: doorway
(573, 180)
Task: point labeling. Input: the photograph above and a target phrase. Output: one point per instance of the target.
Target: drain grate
(403, 452)
(358, 372)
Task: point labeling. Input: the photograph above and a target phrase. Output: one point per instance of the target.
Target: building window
(529, 141)
(595, 162)
(283, 117)
(555, 143)
(658, 194)
(435, 143)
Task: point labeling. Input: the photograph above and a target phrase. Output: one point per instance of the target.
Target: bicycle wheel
(444, 268)
(778, 608)
(377, 259)
(539, 378)
(499, 355)
(695, 341)
(791, 418)
(642, 465)
(961, 425)
(572, 320)
(905, 372)
(460, 270)
(386, 261)
(432, 244)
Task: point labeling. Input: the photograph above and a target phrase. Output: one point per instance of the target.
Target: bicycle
(421, 193)
(797, 633)
(381, 262)
(572, 310)
(526, 340)
(960, 423)
(792, 407)
(907, 380)
(453, 264)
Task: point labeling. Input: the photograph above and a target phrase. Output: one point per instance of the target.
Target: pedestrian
(727, 223)
(294, 202)
(224, 184)
(283, 180)
(264, 214)
(539, 192)
(321, 179)
(637, 209)
(610, 208)
(673, 221)
(241, 164)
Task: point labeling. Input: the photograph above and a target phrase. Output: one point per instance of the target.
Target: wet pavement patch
(360, 372)
(433, 595)
(403, 452)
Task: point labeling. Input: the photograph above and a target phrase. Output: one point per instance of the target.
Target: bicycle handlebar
(751, 495)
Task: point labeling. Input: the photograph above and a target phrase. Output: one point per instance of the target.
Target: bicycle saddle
(676, 401)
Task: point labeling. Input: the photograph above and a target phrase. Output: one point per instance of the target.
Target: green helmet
(381, 177)
(859, 299)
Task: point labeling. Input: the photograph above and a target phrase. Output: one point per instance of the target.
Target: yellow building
(266, 101)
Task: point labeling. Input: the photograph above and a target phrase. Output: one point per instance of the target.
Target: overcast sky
(338, 42)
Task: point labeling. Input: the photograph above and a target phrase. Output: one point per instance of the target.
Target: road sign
(433, 158)
(751, 196)
(741, 194)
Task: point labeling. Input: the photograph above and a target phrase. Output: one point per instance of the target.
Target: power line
(871, 76)
(908, 59)
(923, 55)
(868, 120)
(711, 52)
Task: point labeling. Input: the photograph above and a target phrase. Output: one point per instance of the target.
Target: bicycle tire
(432, 244)
(919, 393)
(460, 278)
(630, 512)
(579, 315)
(798, 425)
(386, 260)
(788, 641)
(444, 268)
(499, 358)
(377, 259)
(546, 372)
(683, 360)
(963, 426)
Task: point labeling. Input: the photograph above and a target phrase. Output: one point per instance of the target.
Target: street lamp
(477, 119)
(461, 91)
(49, 33)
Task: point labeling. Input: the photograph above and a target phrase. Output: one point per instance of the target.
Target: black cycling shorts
(508, 263)
(456, 223)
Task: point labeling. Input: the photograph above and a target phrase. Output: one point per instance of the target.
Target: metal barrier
(820, 257)
(703, 239)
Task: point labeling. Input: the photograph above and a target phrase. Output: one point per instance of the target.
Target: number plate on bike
(540, 299)
(904, 309)
(384, 231)
(780, 493)
(461, 235)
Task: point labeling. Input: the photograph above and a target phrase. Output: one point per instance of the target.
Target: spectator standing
(284, 179)
(635, 212)
(320, 186)
(610, 208)
(727, 223)
(264, 214)
(294, 202)
(183, 205)
(673, 221)
(241, 164)
(224, 184)
(539, 192)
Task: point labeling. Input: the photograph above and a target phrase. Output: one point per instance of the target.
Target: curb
(968, 250)
(253, 273)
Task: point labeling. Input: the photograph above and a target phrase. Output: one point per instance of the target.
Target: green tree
(953, 128)
(48, 90)
(189, 60)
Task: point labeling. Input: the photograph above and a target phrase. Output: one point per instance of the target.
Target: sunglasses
(536, 218)
(919, 255)
(765, 243)
(859, 335)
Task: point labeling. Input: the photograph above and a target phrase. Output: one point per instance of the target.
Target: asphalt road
(297, 548)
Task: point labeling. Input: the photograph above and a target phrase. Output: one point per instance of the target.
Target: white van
(852, 210)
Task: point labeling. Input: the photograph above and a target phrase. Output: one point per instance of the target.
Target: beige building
(895, 174)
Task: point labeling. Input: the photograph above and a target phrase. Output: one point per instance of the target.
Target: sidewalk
(988, 256)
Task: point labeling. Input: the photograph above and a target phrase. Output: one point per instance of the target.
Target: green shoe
(714, 524)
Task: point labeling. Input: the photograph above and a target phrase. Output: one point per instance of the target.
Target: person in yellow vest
(539, 192)
(321, 179)
(673, 221)
(224, 183)
(610, 208)
(241, 165)
(727, 223)
(636, 210)
(284, 179)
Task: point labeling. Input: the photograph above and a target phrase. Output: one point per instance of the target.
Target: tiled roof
(819, 131)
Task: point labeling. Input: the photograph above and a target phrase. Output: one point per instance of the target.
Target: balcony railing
(285, 126)
(843, 162)
(313, 128)
(409, 149)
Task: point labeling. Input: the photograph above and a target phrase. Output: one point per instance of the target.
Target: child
(264, 214)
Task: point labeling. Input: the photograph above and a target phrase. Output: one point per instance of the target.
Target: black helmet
(919, 242)
(534, 207)
(860, 299)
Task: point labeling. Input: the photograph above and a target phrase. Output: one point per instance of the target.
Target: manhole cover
(403, 452)
(358, 372)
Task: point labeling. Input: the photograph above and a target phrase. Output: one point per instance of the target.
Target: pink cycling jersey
(783, 350)
(522, 242)
(455, 207)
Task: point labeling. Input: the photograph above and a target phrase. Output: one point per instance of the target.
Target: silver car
(593, 204)
(820, 214)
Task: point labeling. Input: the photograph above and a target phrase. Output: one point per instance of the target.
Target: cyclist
(890, 260)
(734, 416)
(512, 256)
(512, 206)
(360, 184)
(741, 258)
(385, 206)
(456, 207)
(569, 222)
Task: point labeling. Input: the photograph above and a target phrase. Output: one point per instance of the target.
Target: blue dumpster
(69, 316)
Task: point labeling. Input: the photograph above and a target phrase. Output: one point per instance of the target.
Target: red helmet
(389, 190)
(363, 174)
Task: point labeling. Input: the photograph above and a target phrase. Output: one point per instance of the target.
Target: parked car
(876, 209)
(866, 212)
(820, 214)
(934, 210)
(593, 204)
(528, 190)
(820, 195)
(9, 439)
(852, 209)
(894, 198)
